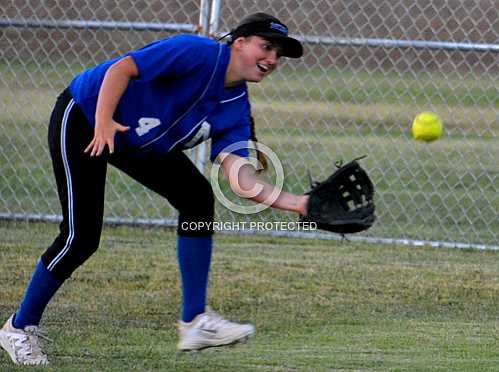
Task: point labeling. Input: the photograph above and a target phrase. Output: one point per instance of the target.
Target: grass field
(445, 191)
(317, 305)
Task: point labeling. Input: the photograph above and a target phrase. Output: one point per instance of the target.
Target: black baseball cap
(268, 27)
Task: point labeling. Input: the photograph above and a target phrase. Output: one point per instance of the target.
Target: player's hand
(104, 136)
(302, 204)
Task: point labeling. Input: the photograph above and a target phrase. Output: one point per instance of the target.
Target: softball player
(138, 112)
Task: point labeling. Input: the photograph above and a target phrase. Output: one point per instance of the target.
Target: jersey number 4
(146, 124)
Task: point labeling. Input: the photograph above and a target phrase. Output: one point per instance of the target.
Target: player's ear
(239, 42)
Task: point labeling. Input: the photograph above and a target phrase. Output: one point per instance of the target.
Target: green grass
(317, 305)
(446, 190)
(381, 87)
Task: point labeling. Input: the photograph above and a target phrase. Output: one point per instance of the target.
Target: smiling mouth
(262, 68)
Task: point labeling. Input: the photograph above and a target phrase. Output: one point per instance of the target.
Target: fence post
(204, 29)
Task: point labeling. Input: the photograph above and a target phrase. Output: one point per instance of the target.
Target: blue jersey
(178, 100)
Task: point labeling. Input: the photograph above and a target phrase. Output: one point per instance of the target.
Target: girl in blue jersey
(138, 112)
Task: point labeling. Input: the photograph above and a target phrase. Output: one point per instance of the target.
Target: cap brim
(291, 48)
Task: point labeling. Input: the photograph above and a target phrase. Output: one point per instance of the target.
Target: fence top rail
(308, 39)
(104, 25)
(401, 44)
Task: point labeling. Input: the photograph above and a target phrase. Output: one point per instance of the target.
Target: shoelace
(214, 321)
(31, 343)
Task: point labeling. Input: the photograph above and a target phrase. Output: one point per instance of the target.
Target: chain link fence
(369, 68)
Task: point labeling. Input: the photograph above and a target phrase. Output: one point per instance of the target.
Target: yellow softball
(427, 127)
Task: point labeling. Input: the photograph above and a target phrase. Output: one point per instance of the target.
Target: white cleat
(209, 330)
(23, 345)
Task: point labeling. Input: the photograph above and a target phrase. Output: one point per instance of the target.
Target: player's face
(258, 57)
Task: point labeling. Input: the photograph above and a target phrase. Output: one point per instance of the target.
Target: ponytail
(262, 159)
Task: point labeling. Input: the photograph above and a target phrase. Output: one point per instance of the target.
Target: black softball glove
(344, 203)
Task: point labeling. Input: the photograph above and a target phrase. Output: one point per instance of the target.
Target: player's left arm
(244, 181)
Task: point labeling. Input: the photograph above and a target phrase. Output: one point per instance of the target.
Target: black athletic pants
(81, 181)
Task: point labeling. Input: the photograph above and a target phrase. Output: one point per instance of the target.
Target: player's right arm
(112, 89)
